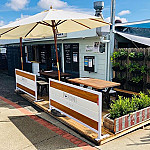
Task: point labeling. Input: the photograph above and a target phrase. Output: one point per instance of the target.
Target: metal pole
(55, 39)
(112, 29)
(21, 52)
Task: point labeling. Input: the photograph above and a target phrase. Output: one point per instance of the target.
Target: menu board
(30, 53)
(43, 56)
(67, 51)
(75, 46)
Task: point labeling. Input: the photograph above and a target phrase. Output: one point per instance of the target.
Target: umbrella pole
(55, 39)
(21, 52)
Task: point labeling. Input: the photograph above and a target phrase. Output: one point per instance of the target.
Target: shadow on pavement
(41, 137)
(143, 140)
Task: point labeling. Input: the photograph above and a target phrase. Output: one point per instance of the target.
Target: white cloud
(123, 20)
(1, 23)
(59, 4)
(46, 4)
(124, 12)
(17, 4)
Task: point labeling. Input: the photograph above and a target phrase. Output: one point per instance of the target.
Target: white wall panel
(26, 82)
(80, 105)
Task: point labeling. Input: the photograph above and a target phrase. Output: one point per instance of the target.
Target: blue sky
(126, 10)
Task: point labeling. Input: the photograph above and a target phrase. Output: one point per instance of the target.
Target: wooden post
(55, 39)
(21, 53)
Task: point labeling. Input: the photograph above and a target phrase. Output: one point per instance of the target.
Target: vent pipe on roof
(98, 6)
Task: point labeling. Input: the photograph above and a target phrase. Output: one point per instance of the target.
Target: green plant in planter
(141, 102)
(132, 55)
(115, 55)
(139, 55)
(124, 106)
(116, 64)
(133, 67)
(118, 67)
(143, 69)
(122, 67)
(121, 53)
(137, 79)
(136, 56)
(120, 107)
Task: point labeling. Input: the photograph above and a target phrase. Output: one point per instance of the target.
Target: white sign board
(80, 104)
(2, 50)
(93, 48)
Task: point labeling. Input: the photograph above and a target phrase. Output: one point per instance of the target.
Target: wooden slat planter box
(122, 123)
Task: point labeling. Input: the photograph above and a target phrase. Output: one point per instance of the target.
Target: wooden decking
(84, 131)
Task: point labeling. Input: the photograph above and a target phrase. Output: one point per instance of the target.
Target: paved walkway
(137, 140)
(21, 129)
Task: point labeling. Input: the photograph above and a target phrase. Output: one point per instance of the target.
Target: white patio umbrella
(49, 23)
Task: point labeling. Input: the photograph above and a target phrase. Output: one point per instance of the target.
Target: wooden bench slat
(125, 91)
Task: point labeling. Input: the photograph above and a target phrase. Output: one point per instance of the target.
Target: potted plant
(144, 69)
(136, 56)
(121, 54)
(136, 81)
(115, 66)
(125, 113)
(140, 56)
(132, 56)
(136, 68)
(118, 67)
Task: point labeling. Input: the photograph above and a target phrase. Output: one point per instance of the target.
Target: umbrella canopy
(40, 25)
(49, 23)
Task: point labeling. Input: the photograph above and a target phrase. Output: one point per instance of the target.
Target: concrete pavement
(21, 129)
(137, 140)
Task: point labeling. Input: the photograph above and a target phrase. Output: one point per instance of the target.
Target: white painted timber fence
(26, 82)
(81, 104)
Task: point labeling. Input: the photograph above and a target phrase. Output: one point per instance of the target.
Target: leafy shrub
(124, 106)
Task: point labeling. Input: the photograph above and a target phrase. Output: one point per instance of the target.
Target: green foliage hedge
(124, 106)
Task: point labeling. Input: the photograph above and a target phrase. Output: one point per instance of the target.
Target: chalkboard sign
(67, 51)
(43, 56)
(30, 53)
(75, 46)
